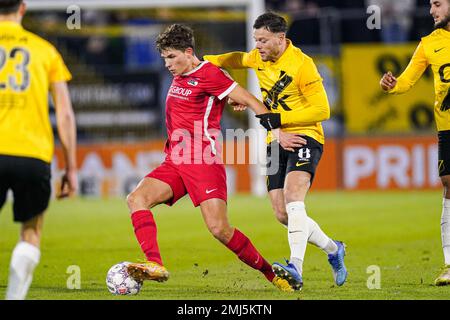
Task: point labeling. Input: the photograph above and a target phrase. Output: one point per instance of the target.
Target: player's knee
(137, 200)
(294, 191)
(446, 184)
(221, 232)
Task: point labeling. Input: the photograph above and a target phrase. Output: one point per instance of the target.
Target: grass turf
(397, 231)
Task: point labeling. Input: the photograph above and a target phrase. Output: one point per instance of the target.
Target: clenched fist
(388, 81)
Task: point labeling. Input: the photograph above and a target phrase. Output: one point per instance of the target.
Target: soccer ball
(119, 282)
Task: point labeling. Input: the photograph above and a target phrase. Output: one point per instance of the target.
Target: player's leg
(316, 236)
(444, 173)
(163, 185)
(444, 277)
(25, 258)
(301, 167)
(296, 186)
(30, 184)
(278, 159)
(214, 213)
(29, 181)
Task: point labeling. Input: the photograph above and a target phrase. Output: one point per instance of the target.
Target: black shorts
(444, 153)
(280, 162)
(29, 180)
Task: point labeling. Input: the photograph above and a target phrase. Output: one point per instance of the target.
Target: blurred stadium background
(378, 147)
(374, 141)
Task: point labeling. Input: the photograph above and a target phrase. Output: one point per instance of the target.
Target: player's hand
(236, 106)
(288, 141)
(269, 120)
(69, 184)
(388, 81)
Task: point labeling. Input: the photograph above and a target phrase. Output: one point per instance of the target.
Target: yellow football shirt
(291, 86)
(28, 65)
(433, 50)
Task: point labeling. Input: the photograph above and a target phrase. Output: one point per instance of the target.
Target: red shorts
(201, 181)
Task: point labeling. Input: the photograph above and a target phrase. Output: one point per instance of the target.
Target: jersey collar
(10, 24)
(286, 52)
(195, 69)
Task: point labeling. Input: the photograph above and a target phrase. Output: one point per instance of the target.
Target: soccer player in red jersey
(194, 106)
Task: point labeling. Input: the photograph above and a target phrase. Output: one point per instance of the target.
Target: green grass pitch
(397, 231)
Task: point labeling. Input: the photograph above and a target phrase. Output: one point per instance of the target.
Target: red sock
(145, 231)
(244, 249)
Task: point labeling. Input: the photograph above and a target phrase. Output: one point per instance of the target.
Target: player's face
(440, 10)
(177, 61)
(269, 44)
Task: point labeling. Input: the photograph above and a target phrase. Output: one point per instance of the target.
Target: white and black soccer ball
(119, 282)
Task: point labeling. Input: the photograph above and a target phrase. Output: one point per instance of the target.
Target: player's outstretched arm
(65, 121)
(409, 77)
(242, 97)
(267, 119)
(231, 60)
(270, 121)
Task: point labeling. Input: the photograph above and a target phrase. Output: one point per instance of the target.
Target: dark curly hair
(177, 37)
(272, 22)
(9, 6)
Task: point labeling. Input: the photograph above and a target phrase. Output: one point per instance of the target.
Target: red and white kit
(194, 107)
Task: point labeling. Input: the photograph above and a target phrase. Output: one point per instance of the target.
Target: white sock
(24, 259)
(445, 230)
(297, 232)
(318, 238)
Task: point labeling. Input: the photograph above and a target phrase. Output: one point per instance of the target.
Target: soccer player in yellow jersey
(292, 90)
(30, 67)
(434, 51)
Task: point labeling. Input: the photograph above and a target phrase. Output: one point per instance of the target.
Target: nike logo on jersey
(437, 50)
(260, 69)
(209, 191)
(299, 164)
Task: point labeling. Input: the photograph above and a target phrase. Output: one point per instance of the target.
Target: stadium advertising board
(367, 108)
(115, 169)
(390, 163)
(350, 164)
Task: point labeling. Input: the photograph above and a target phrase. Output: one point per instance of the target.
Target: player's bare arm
(65, 120)
(241, 98)
(267, 119)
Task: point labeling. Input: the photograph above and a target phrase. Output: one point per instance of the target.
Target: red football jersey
(194, 107)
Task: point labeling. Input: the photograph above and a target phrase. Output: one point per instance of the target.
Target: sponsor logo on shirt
(193, 82)
(179, 92)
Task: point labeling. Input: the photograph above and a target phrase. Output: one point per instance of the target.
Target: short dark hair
(9, 6)
(272, 22)
(177, 37)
